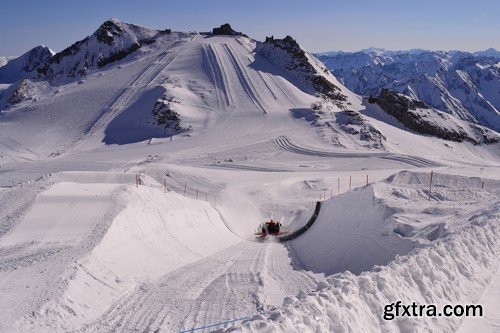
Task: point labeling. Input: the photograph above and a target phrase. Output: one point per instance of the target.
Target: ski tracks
(243, 77)
(229, 284)
(220, 77)
(286, 144)
(128, 95)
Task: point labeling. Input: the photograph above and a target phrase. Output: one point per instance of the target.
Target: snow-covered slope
(460, 83)
(18, 68)
(223, 132)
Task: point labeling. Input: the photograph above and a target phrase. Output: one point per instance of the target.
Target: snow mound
(453, 270)
(371, 225)
(447, 272)
(350, 233)
(153, 234)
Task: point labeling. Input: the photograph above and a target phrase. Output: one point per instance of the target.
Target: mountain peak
(109, 30)
(18, 68)
(226, 29)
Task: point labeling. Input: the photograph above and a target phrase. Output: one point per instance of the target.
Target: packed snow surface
(109, 222)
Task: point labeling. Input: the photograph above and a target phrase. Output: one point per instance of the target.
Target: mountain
(460, 83)
(136, 164)
(4, 60)
(491, 52)
(125, 84)
(112, 41)
(417, 116)
(131, 83)
(15, 69)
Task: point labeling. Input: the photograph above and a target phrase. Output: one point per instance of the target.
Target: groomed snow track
(286, 144)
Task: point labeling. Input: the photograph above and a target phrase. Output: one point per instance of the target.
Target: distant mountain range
(464, 84)
(130, 83)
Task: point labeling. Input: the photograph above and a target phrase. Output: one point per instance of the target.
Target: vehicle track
(228, 284)
(287, 144)
(129, 94)
(216, 74)
(218, 65)
(243, 77)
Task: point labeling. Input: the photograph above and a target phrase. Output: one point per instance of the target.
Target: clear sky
(318, 25)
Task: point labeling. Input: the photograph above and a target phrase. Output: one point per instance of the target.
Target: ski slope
(82, 248)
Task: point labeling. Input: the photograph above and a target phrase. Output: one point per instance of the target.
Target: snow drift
(453, 269)
(101, 255)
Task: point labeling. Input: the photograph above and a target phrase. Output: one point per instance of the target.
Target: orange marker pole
(366, 180)
(350, 179)
(185, 188)
(338, 186)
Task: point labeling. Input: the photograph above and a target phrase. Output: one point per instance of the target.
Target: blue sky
(319, 25)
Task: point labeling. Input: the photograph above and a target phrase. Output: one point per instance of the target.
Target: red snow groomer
(273, 228)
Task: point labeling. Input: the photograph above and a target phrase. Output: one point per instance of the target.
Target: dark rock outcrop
(422, 119)
(112, 41)
(165, 115)
(23, 66)
(226, 29)
(293, 58)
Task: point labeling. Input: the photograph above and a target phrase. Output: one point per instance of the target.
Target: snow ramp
(350, 233)
(90, 243)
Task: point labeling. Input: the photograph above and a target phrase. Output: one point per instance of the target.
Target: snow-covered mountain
(112, 41)
(136, 164)
(16, 68)
(460, 83)
(419, 117)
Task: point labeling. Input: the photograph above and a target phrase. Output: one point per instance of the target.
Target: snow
(83, 248)
(453, 270)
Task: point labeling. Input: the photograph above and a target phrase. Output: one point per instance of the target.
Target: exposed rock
(226, 29)
(108, 31)
(290, 56)
(165, 115)
(21, 67)
(22, 90)
(462, 84)
(422, 119)
(354, 123)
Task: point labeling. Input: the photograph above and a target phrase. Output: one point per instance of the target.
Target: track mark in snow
(129, 94)
(222, 73)
(231, 283)
(244, 78)
(216, 74)
(286, 144)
